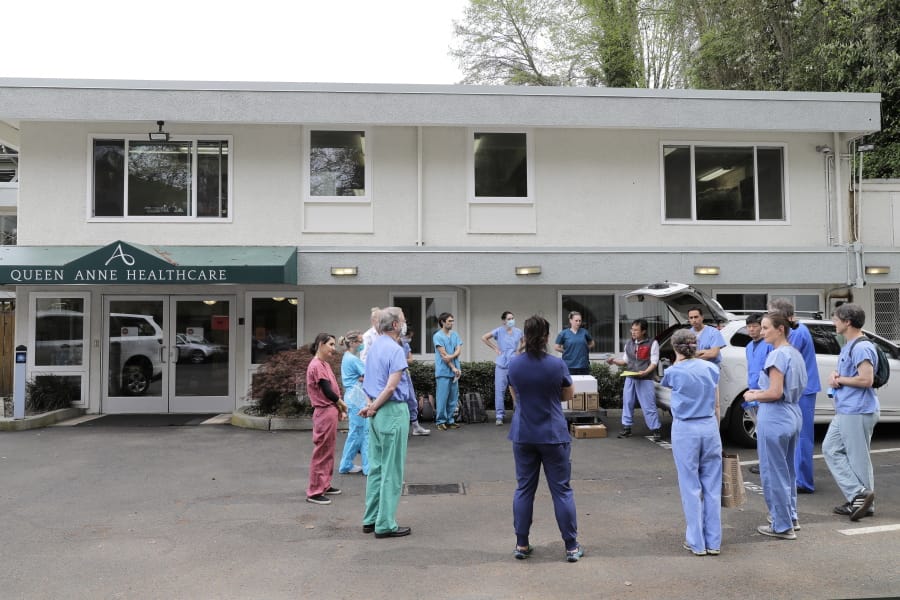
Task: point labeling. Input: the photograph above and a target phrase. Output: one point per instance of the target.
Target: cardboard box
(591, 401)
(584, 383)
(589, 431)
(577, 403)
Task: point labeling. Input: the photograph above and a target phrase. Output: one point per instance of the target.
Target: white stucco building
(257, 215)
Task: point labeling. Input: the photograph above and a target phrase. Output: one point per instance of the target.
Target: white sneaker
(419, 430)
(356, 469)
(499, 422)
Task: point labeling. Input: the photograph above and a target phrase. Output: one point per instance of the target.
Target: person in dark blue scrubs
(541, 437)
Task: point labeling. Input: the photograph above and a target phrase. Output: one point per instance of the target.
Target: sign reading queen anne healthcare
(123, 263)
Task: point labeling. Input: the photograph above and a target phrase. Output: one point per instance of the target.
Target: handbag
(732, 482)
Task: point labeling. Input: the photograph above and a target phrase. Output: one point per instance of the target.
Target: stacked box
(577, 403)
(589, 431)
(592, 402)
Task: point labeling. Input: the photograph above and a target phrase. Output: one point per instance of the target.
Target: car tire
(198, 357)
(135, 380)
(741, 427)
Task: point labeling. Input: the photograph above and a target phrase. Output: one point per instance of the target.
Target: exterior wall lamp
(344, 271)
(533, 270)
(878, 270)
(706, 270)
(159, 136)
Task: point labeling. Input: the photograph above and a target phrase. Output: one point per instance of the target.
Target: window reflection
(274, 326)
(59, 331)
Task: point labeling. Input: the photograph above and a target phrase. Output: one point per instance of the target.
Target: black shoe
(803, 490)
(860, 504)
(754, 469)
(369, 528)
(399, 532)
(846, 510)
(657, 435)
(319, 499)
(625, 433)
(332, 491)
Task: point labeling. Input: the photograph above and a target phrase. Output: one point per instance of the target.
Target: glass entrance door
(168, 354)
(135, 360)
(201, 370)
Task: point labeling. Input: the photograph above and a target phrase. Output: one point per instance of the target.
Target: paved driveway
(219, 512)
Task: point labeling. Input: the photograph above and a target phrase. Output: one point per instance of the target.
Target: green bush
(50, 392)
(479, 377)
(279, 385)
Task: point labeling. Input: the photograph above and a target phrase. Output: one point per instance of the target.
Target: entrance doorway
(168, 354)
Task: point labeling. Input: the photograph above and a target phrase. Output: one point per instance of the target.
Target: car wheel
(741, 426)
(197, 357)
(135, 380)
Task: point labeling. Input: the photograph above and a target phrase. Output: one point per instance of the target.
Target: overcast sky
(354, 41)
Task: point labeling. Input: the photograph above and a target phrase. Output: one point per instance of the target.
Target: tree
(520, 42)
(615, 34)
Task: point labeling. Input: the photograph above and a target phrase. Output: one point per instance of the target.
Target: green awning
(135, 264)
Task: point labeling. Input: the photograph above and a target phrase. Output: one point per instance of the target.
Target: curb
(239, 418)
(41, 420)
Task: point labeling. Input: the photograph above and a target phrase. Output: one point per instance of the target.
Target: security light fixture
(532, 270)
(344, 271)
(706, 270)
(878, 270)
(159, 136)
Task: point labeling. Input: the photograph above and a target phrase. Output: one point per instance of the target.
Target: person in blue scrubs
(800, 338)
(848, 443)
(506, 341)
(781, 383)
(575, 344)
(353, 369)
(709, 339)
(447, 348)
(540, 438)
(756, 352)
(696, 443)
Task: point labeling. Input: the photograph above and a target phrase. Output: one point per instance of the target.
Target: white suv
(733, 375)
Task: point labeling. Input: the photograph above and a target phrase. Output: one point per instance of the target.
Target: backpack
(472, 409)
(882, 371)
(426, 407)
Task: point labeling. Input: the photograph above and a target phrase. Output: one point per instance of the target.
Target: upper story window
(133, 177)
(501, 166)
(337, 165)
(735, 182)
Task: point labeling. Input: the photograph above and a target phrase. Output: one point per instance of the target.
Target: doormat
(139, 420)
(433, 489)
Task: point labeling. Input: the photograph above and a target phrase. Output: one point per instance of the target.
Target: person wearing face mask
(506, 341)
(447, 348)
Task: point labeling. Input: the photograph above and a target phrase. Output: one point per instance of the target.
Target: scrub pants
(357, 442)
(321, 465)
(388, 431)
(447, 397)
(697, 450)
(639, 391)
(558, 471)
(501, 382)
(803, 459)
(777, 429)
(846, 448)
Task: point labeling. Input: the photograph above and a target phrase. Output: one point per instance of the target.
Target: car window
(740, 338)
(885, 346)
(825, 339)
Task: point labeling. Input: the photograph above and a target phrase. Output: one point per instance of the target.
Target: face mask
(360, 349)
(511, 323)
(403, 329)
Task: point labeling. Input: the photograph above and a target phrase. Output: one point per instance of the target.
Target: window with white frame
(501, 166)
(274, 325)
(337, 165)
(185, 178)
(421, 311)
(608, 316)
(735, 182)
(757, 301)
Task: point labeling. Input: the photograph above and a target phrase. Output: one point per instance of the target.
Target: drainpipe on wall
(838, 190)
(419, 241)
(467, 343)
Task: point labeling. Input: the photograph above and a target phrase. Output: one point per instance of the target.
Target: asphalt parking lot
(214, 511)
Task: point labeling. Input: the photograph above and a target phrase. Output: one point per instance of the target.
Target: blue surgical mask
(510, 322)
(360, 349)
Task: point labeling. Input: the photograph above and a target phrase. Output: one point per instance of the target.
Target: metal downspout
(419, 241)
(838, 189)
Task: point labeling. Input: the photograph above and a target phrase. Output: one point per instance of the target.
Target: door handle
(162, 354)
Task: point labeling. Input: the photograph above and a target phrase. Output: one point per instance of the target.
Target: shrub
(50, 392)
(279, 385)
(479, 377)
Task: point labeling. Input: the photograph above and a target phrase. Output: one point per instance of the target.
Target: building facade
(222, 222)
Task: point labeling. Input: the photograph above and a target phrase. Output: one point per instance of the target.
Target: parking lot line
(745, 463)
(865, 530)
